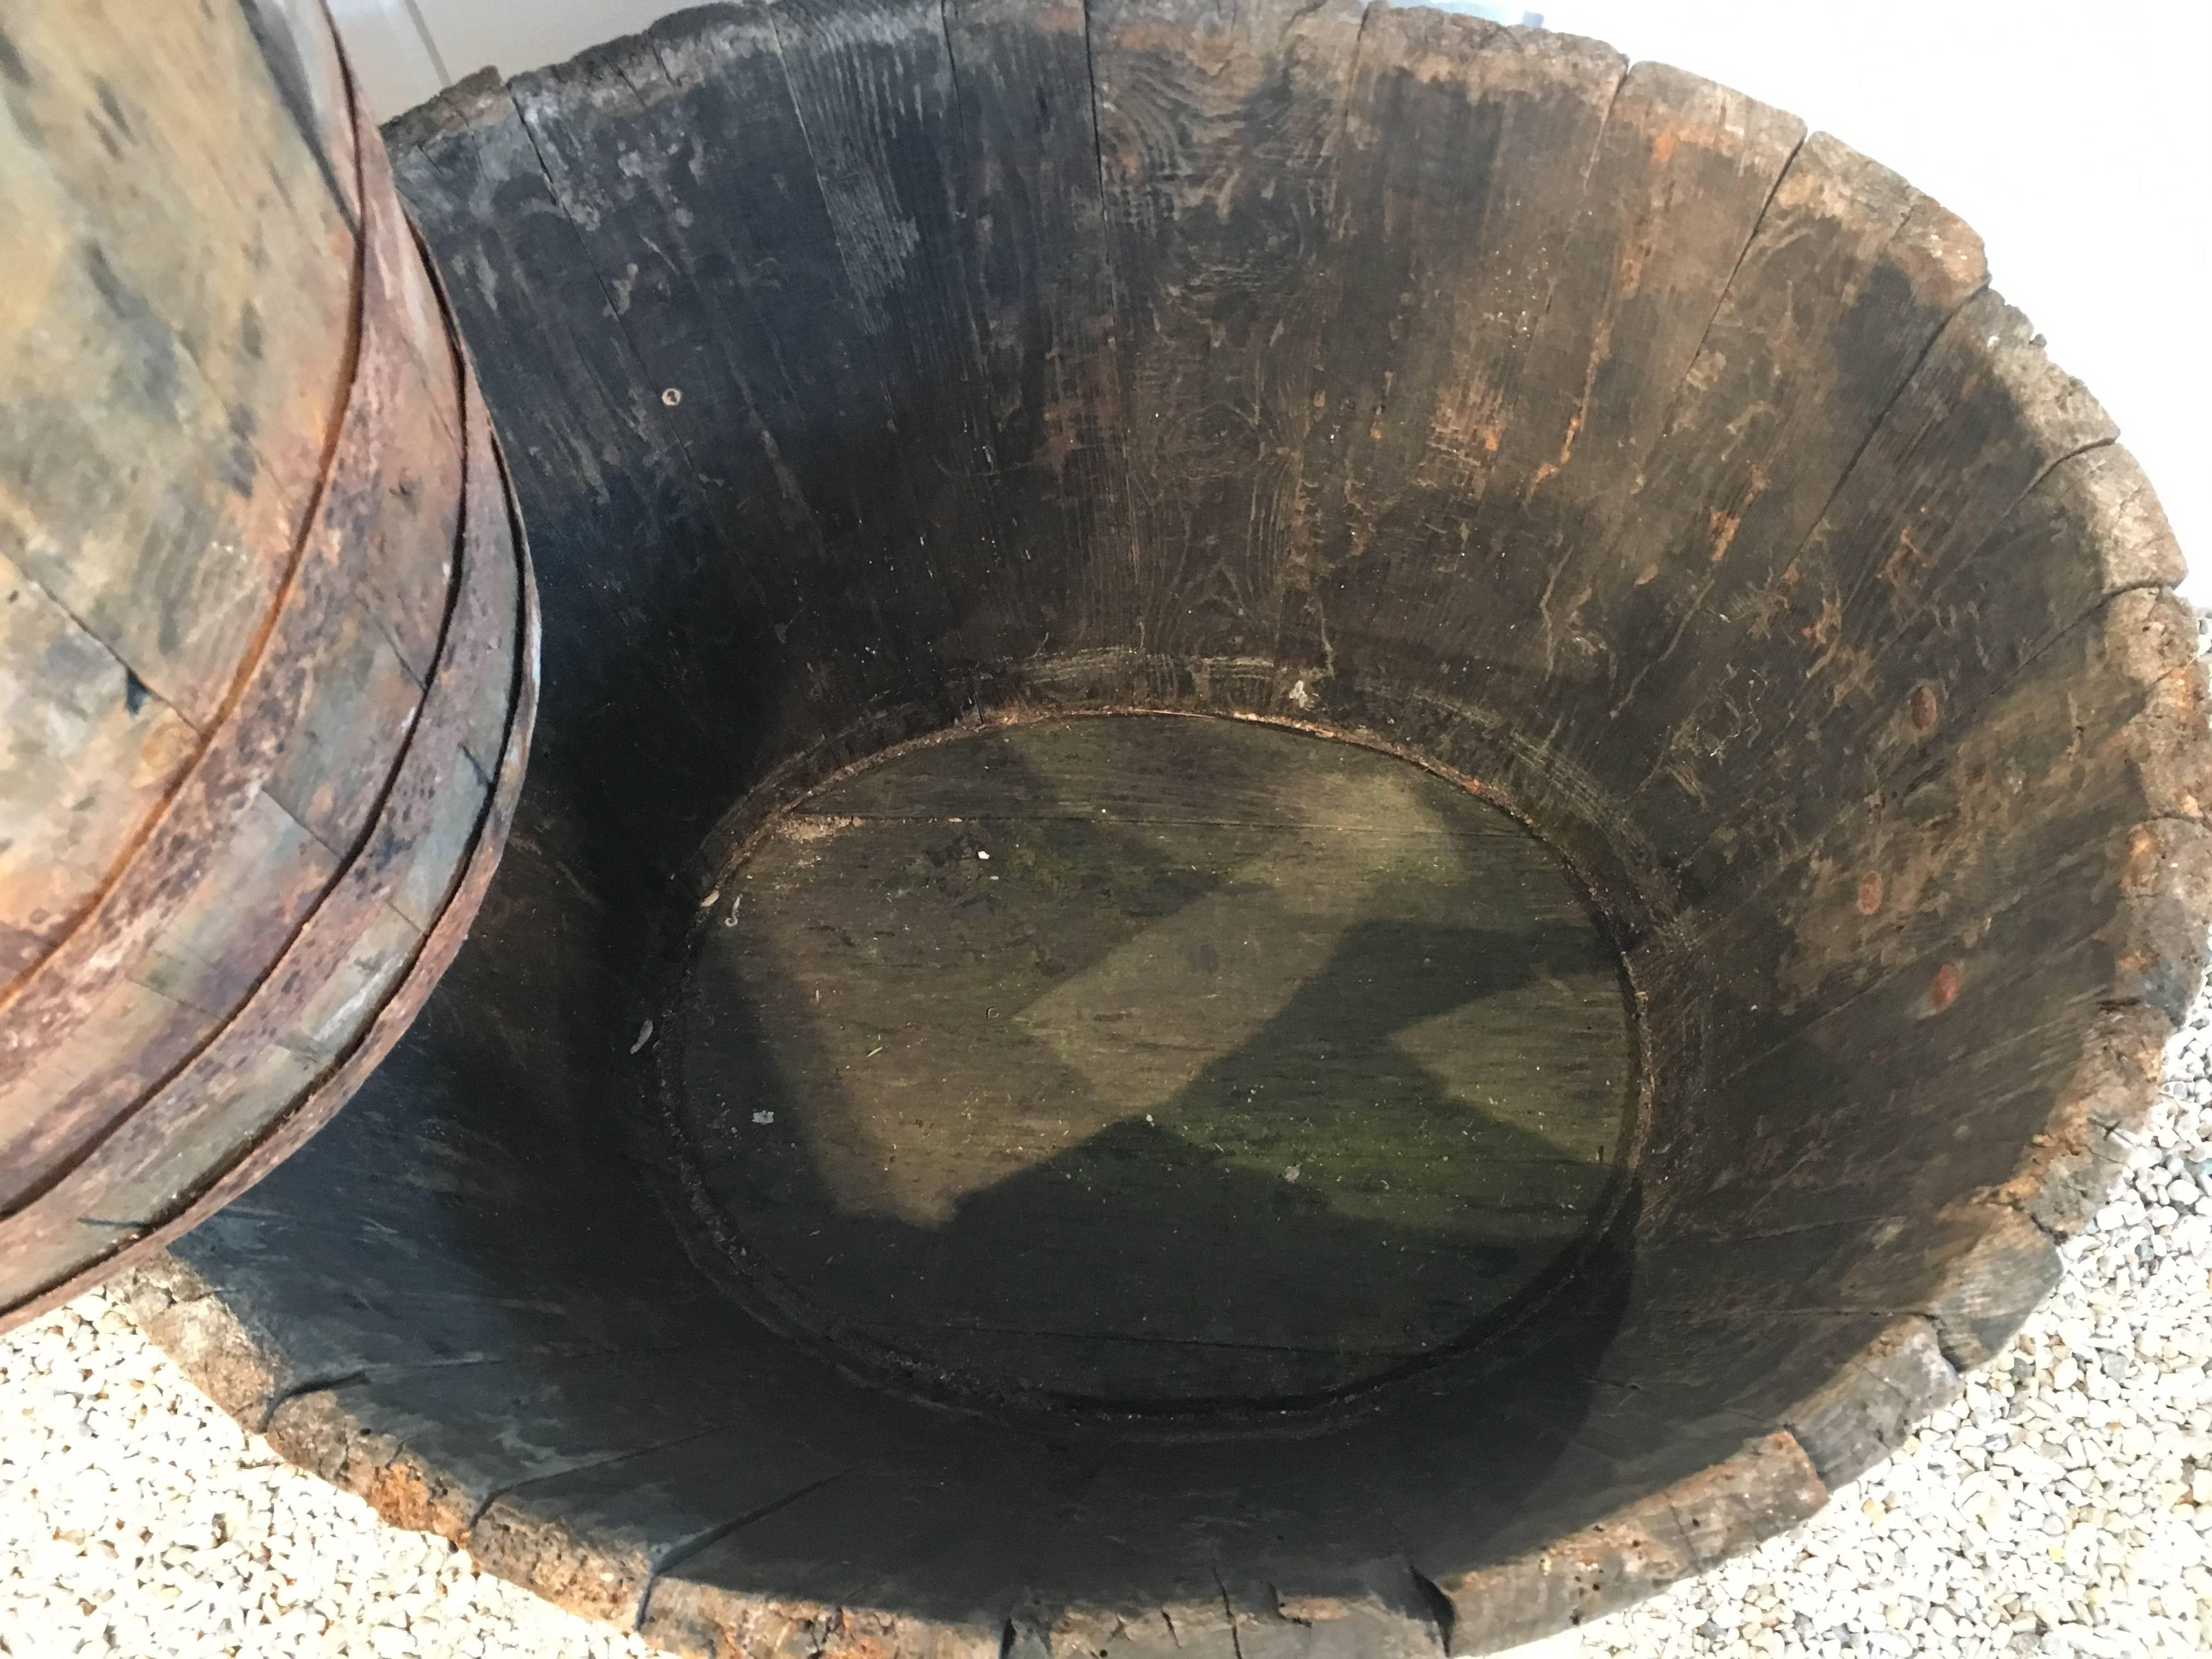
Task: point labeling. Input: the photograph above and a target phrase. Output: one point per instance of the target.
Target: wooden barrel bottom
(1148, 1061)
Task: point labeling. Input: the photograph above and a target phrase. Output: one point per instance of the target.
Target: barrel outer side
(316, 853)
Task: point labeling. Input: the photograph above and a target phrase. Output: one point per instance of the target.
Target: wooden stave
(426, 825)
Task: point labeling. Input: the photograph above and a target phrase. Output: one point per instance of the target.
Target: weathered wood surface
(1910, 587)
(167, 410)
(1218, 127)
(1963, 943)
(1848, 278)
(1583, 430)
(294, 731)
(1868, 1408)
(277, 1044)
(1149, 1060)
(1543, 264)
(1673, 1534)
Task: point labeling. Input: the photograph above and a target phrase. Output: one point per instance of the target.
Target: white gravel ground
(137, 1520)
(2063, 1507)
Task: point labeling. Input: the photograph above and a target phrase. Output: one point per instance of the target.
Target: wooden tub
(1350, 831)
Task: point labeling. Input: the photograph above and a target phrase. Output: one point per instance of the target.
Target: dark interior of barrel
(1317, 791)
(1151, 1064)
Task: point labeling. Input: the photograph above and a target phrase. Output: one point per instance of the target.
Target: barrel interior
(1148, 1063)
(1591, 779)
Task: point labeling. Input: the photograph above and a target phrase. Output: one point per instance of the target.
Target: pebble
(138, 1522)
(2063, 1507)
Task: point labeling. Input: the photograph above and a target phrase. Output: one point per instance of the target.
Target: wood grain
(1217, 130)
(215, 957)
(1177, 996)
(169, 403)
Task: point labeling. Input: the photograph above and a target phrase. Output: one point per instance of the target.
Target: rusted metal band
(494, 530)
(439, 946)
(64, 990)
(116, 1180)
(472, 650)
(274, 681)
(40, 1009)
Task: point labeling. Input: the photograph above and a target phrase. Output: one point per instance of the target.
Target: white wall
(389, 46)
(2077, 138)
